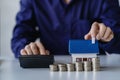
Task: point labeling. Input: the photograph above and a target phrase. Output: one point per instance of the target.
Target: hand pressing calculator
(36, 61)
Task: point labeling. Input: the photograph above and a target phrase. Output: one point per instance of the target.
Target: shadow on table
(110, 68)
(1, 61)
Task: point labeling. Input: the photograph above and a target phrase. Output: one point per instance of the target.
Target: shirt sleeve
(111, 18)
(25, 29)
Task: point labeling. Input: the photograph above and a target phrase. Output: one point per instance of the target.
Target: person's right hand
(34, 48)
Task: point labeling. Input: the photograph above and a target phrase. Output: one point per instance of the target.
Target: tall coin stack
(79, 66)
(96, 64)
(53, 67)
(70, 67)
(62, 67)
(87, 66)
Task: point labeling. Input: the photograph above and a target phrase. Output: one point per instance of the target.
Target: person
(55, 22)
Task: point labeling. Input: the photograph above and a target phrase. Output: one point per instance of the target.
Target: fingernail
(93, 40)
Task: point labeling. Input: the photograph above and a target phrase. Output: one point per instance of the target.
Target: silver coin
(62, 67)
(87, 63)
(79, 66)
(96, 64)
(71, 67)
(53, 67)
(87, 69)
(96, 58)
(78, 63)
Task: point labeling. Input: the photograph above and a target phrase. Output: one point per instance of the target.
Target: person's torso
(59, 22)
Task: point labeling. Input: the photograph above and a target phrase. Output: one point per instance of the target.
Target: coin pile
(79, 66)
(87, 66)
(53, 67)
(62, 67)
(70, 67)
(96, 64)
(92, 65)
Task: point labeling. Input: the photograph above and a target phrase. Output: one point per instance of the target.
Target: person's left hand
(100, 32)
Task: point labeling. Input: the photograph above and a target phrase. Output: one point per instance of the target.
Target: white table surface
(10, 70)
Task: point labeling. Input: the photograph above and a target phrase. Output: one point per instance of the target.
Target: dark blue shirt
(55, 23)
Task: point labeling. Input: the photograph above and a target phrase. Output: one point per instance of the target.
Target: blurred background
(8, 10)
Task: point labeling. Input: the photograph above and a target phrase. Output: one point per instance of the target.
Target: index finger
(94, 29)
(41, 48)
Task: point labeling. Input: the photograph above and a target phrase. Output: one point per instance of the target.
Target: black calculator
(36, 61)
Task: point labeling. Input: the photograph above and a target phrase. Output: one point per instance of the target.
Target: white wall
(8, 10)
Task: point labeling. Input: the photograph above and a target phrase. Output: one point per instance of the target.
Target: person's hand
(100, 32)
(34, 48)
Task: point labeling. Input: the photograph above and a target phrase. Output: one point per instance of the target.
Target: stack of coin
(96, 64)
(79, 66)
(70, 67)
(53, 67)
(87, 66)
(62, 67)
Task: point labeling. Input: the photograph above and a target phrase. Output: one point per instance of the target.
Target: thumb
(87, 36)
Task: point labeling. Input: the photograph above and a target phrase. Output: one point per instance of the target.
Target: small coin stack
(79, 66)
(96, 64)
(53, 67)
(62, 67)
(70, 67)
(87, 66)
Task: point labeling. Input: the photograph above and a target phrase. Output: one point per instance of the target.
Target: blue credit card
(83, 46)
